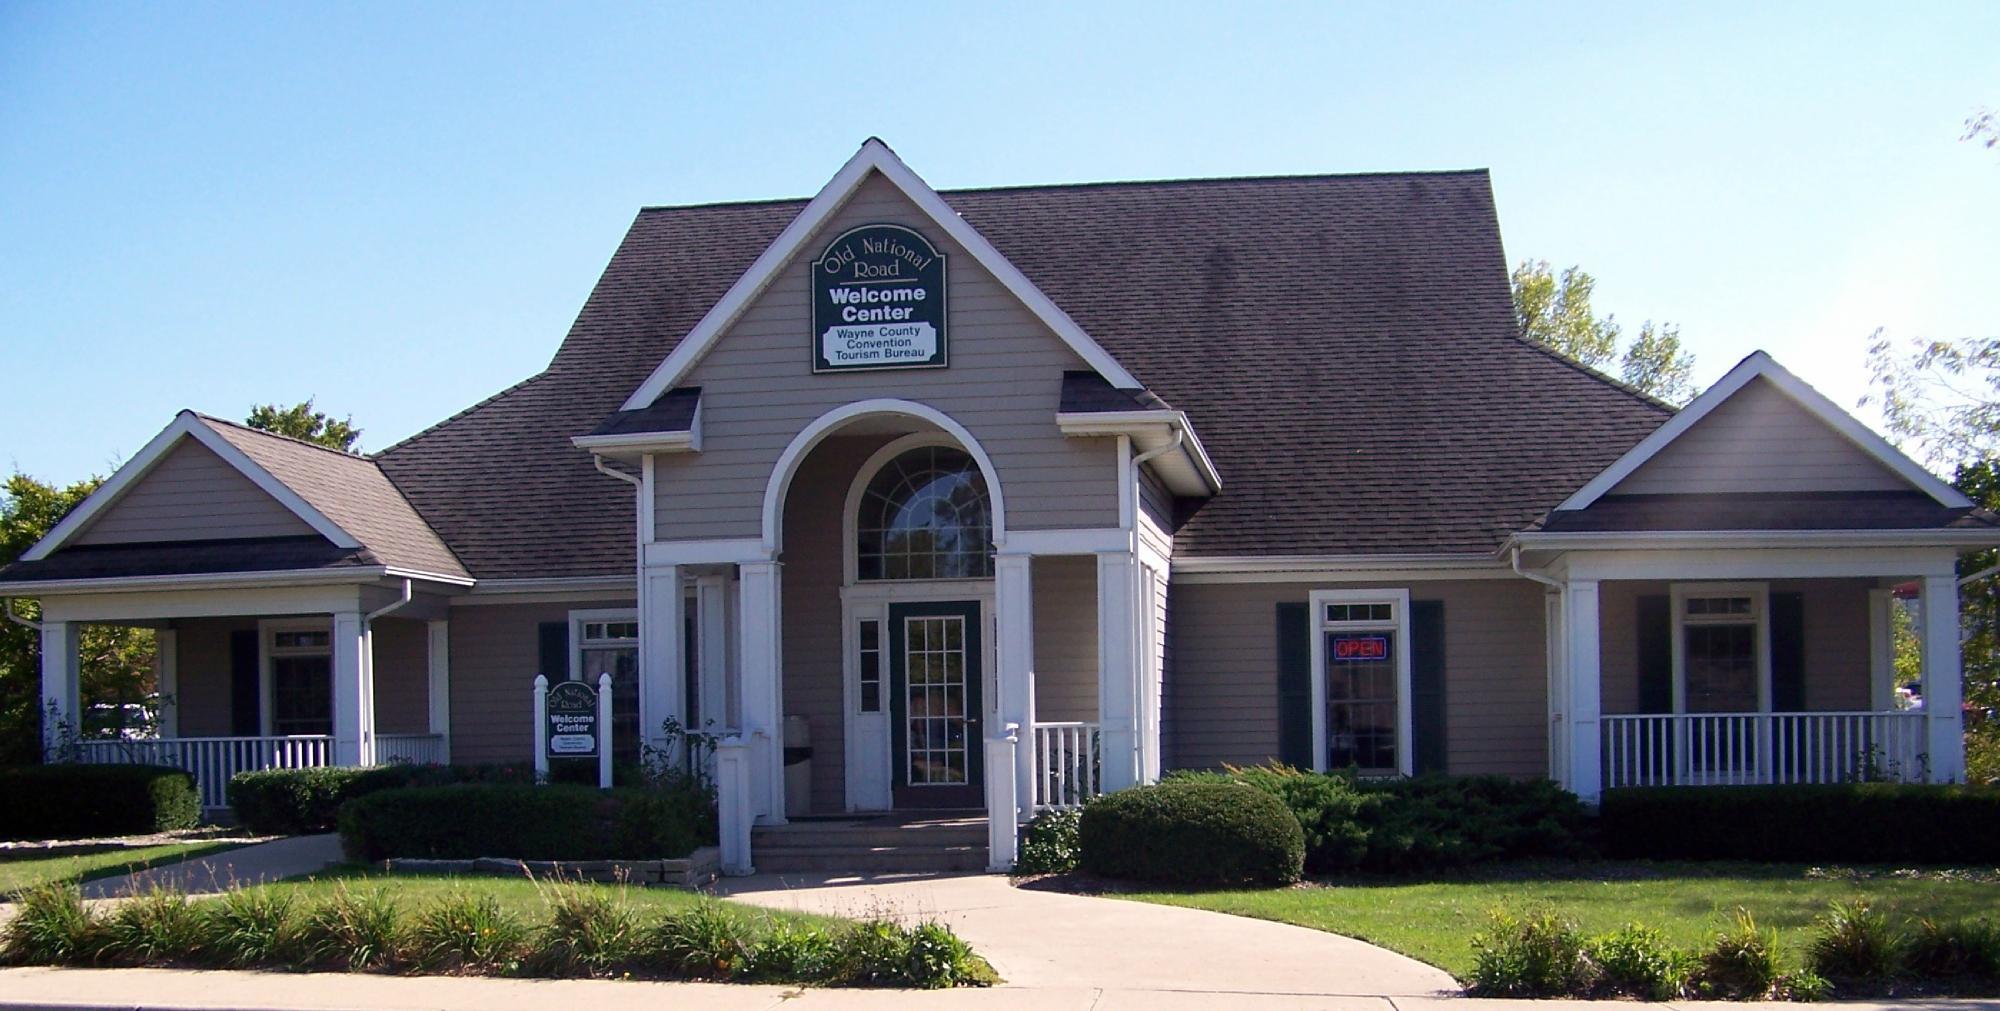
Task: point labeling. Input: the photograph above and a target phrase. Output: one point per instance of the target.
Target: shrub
(522, 822)
(1954, 950)
(792, 952)
(1049, 843)
(873, 953)
(467, 930)
(295, 801)
(353, 930)
(1541, 955)
(587, 933)
(937, 959)
(157, 926)
(1789, 823)
(1636, 961)
(78, 801)
(1740, 964)
(703, 941)
(1853, 944)
(1192, 833)
(52, 926)
(253, 926)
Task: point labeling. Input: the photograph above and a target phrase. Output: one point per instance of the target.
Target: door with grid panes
(934, 700)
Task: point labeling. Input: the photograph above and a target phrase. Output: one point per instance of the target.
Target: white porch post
(62, 704)
(167, 680)
(1118, 680)
(1582, 710)
(438, 683)
(712, 652)
(1010, 791)
(662, 668)
(1944, 686)
(763, 686)
(353, 691)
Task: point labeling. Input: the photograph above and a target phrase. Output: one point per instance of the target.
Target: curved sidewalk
(1055, 940)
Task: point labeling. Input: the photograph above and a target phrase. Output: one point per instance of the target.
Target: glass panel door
(935, 693)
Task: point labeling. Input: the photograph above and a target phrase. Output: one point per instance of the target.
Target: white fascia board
(737, 551)
(874, 156)
(205, 581)
(638, 443)
(1339, 568)
(397, 572)
(1670, 539)
(1761, 365)
(487, 587)
(1149, 429)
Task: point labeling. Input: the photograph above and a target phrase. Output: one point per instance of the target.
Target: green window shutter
(553, 639)
(1427, 689)
(1295, 676)
(1656, 654)
(246, 690)
(1788, 652)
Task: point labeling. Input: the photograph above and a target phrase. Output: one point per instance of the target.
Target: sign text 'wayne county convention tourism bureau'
(878, 296)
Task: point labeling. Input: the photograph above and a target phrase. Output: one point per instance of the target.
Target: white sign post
(603, 731)
(541, 728)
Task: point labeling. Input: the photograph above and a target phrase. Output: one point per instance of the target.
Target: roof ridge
(1106, 184)
(490, 398)
(344, 454)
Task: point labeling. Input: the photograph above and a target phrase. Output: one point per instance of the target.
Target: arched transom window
(925, 515)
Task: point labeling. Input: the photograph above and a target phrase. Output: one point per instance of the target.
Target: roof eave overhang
(1186, 469)
(637, 444)
(364, 574)
(1692, 539)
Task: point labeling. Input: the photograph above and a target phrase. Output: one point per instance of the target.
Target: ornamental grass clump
(157, 926)
(1539, 955)
(1964, 951)
(249, 927)
(701, 942)
(1637, 961)
(353, 929)
(52, 926)
(467, 932)
(1854, 947)
(587, 933)
(1741, 963)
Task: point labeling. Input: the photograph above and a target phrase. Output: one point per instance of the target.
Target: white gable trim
(1761, 365)
(186, 425)
(874, 156)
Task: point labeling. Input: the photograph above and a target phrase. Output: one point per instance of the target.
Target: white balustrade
(213, 760)
(1736, 749)
(1066, 764)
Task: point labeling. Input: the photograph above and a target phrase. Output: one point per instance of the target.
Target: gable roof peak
(873, 158)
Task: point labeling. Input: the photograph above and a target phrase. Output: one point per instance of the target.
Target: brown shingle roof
(1345, 345)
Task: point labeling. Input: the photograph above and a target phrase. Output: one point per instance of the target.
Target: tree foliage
(1983, 128)
(1555, 311)
(1940, 397)
(116, 662)
(301, 422)
(1979, 612)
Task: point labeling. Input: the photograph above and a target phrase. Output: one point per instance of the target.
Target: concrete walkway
(1046, 939)
(127, 989)
(245, 865)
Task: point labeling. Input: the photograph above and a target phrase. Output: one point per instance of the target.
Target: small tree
(1554, 311)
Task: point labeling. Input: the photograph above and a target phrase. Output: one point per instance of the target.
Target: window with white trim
(1721, 642)
(607, 642)
(1363, 678)
(301, 672)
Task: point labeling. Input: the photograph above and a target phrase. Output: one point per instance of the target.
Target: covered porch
(350, 674)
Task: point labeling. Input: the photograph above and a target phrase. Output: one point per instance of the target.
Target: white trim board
(1761, 366)
(1399, 599)
(874, 156)
(190, 425)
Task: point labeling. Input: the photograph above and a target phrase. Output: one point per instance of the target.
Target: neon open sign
(1354, 648)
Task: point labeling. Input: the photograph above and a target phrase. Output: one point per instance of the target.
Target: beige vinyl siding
(759, 391)
(402, 676)
(1836, 641)
(1156, 502)
(191, 494)
(1065, 590)
(495, 650)
(1224, 694)
(202, 674)
(1759, 440)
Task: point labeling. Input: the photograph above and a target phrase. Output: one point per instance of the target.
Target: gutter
(1514, 559)
(1133, 423)
(18, 620)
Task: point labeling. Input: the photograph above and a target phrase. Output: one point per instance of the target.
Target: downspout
(1515, 559)
(1180, 436)
(18, 620)
(598, 462)
(368, 755)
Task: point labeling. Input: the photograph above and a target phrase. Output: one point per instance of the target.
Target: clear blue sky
(398, 208)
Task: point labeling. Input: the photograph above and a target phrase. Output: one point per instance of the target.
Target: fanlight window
(925, 515)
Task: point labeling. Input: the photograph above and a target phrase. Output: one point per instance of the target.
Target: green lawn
(24, 872)
(1435, 920)
(520, 896)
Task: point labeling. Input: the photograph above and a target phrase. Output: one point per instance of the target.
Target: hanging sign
(572, 708)
(1356, 648)
(878, 297)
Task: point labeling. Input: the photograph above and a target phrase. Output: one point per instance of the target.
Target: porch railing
(213, 760)
(1734, 749)
(1066, 764)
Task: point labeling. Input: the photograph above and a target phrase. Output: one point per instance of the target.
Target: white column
(763, 687)
(1118, 675)
(1010, 791)
(1881, 650)
(1580, 646)
(712, 651)
(662, 668)
(62, 690)
(438, 684)
(353, 695)
(1558, 679)
(1944, 685)
(167, 679)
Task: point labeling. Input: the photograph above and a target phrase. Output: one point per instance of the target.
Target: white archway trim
(780, 482)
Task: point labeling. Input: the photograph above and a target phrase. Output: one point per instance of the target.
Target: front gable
(1760, 440)
(192, 494)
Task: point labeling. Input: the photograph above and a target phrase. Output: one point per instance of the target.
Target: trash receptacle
(798, 765)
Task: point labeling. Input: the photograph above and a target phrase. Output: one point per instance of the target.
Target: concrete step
(866, 859)
(876, 837)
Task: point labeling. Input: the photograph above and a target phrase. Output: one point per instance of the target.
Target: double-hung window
(1722, 648)
(607, 642)
(300, 662)
(1362, 683)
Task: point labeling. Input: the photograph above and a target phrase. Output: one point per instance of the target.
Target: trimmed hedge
(556, 822)
(1399, 826)
(298, 801)
(1860, 823)
(78, 801)
(1192, 834)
